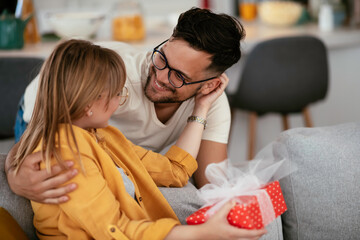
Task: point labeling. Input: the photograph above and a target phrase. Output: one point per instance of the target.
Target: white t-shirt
(137, 118)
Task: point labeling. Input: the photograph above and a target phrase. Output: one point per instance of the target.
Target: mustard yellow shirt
(101, 208)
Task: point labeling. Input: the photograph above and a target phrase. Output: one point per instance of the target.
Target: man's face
(181, 57)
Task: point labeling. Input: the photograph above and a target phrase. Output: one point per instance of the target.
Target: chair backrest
(283, 75)
(15, 75)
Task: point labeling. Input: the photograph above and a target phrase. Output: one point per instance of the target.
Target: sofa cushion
(9, 228)
(184, 201)
(274, 230)
(18, 207)
(323, 194)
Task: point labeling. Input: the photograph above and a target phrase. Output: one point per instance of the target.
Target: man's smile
(159, 86)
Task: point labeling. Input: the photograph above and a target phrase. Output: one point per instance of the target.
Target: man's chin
(160, 100)
(151, 94)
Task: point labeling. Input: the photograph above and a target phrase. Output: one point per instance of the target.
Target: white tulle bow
(229, 181)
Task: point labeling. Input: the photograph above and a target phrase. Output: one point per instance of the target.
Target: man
(162, 85)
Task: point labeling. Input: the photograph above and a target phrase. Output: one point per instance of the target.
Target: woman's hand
(216, 228)
(221, 229)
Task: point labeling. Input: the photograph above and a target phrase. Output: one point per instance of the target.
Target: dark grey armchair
(283, 75)
(15, 74)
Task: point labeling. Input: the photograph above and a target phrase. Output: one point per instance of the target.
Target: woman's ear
(210, 86)
(88, 111)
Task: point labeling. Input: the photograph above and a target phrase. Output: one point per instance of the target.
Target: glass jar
(247, 9)
(127, 22)
(326, 18)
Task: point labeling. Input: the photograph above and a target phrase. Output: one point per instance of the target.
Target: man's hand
(40, 185)
(206, 100)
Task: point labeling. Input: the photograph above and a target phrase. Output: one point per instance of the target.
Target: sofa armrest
(19, 207)
(323, 194)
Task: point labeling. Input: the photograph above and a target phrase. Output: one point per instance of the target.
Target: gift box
(247, 213)
(253, 185)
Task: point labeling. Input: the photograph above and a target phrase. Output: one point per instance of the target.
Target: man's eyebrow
(183, 74)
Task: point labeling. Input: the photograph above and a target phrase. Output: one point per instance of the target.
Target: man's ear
(209, 86)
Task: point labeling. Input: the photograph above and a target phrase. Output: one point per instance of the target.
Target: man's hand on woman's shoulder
(40, 185)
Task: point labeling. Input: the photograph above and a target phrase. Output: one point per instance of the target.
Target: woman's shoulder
(72, 141)
(75, 136)
(111, 133)
(91, 140)
(68, 128)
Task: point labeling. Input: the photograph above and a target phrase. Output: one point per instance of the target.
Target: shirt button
(112, 229)
(140, 199)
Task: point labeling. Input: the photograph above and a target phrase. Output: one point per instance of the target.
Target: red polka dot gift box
(248, 212)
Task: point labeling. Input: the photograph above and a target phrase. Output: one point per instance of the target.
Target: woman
(81, 85)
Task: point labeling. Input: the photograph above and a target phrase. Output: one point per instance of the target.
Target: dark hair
(216, 34)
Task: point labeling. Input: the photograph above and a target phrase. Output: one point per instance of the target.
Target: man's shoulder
(122, 48)
(114, 45)
(221, 105)
(136, 61)
(220, 108)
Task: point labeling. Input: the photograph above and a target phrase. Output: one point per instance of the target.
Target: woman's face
(101, 112)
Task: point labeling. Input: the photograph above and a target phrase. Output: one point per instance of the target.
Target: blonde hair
(71, 79)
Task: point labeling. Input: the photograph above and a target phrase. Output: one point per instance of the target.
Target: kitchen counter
(343, 37)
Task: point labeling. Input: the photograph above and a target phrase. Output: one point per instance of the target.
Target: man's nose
(162, 75)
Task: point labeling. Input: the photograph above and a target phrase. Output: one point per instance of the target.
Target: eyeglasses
(124, 96)
(176, 78)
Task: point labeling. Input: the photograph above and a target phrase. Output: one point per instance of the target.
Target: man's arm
(39, 185)
(210, 152)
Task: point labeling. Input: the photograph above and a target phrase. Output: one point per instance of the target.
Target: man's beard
(168, 99)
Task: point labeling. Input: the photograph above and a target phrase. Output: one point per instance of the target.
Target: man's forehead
(183, 57)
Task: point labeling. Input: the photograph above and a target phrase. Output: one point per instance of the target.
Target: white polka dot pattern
(247, 215)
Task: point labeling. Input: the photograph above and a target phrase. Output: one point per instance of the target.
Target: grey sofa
(322, 195)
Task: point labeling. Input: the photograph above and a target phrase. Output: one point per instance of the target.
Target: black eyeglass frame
(171, 69)
(125, 96)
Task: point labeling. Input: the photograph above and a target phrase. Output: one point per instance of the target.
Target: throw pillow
(9, 228)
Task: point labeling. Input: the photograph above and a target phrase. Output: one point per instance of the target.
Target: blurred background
(154, 12)
(146, 23)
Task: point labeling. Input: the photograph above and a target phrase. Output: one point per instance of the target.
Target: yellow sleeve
(170, 170)
(94, 208)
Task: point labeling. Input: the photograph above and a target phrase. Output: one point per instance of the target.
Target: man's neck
(164, 111)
